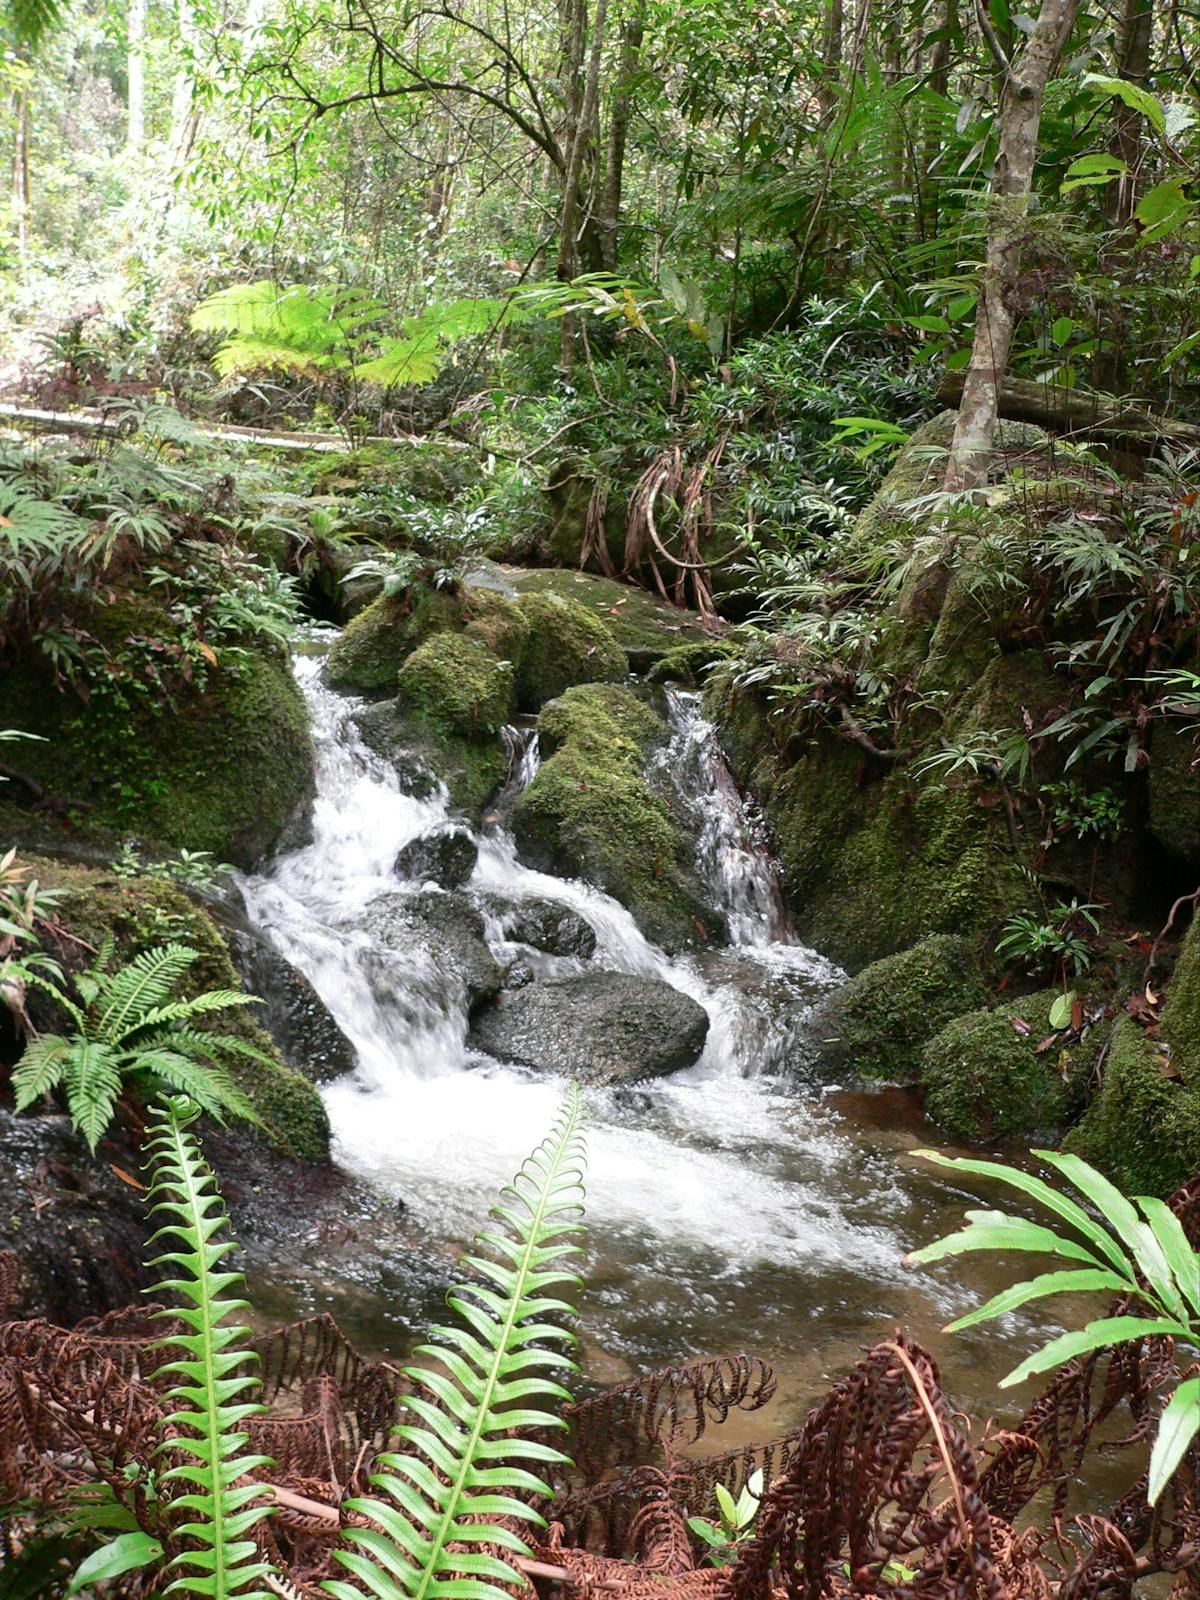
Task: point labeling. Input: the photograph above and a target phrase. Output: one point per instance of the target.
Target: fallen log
(1084, 415)
(104, 425)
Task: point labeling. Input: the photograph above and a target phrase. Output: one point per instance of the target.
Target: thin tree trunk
(632, 35)
(135, 126)
(1137, 22)
(572, 178)
(21, 204)
(1020, 118)
(938, 79)
(831, 56)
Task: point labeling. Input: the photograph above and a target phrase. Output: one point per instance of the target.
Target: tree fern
(445, 1507)
(214, 1394)
(128, 1027)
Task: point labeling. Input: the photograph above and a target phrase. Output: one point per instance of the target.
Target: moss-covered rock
(224, 768)
(689, 663)
(369, 652)
(590, 813)
(140, 913)
(877, 1025)
(1175, 793)
(1142, 1128)
(984, 1077)
(567, 645)
(874, 860)
(646, 629)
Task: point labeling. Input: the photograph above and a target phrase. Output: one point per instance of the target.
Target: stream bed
(737, 1205)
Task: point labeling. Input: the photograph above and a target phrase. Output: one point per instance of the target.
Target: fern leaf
(92, 1080)
(442, 1510)
(197, 1005)
(40, 1069)
(214, 1394)
(209, 1085)
(140, 987)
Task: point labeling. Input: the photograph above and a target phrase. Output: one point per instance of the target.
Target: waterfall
(721, 1173)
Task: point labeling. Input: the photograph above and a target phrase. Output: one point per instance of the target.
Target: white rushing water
(720, 1173)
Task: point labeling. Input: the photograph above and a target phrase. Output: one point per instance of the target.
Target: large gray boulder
(600, 1027)
(439, 934)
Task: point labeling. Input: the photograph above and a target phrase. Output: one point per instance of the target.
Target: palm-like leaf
(445, 1507)
(30, 20)
(214, 1394)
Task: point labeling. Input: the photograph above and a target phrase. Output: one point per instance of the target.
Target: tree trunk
(135, 126)
(632, 34)
(1020, 118)
(20, 173)
(1137, 22)
(568, 259)
(831, 56)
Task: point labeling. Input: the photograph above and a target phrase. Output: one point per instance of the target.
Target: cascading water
(728, 1204)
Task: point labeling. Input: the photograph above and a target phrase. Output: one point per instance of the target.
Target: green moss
(373, 645)
(567, 645)
(983, 1077)
(453, 684)
(645, 628)
(599, 719)
(1175, 793)
(689, 663)
(912, 473)
(496, 621)
(1180, 1026)
(143, 912)
(590, 813)
(223, 769)
(878, 1023)
(1142, 1128)
(430, 471)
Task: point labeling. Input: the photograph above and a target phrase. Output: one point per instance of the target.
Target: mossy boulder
(1175, 793)
(590, 813)
(226, 766)
(567, 645)
(454, 698)
(140, 913)
(990, 1075)
(647, 629)
(1142, 1128)
(877, 1025)
(369, 652)
(689, 663)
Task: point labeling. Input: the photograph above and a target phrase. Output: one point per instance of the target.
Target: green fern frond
(445, 1508)
(142, 986)
(196, 1006)
(93, 1083)
(213, 1396)
(210, 1086)
(41, 1069)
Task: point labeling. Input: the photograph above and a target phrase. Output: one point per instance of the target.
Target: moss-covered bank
(225, 765)
(140, 913)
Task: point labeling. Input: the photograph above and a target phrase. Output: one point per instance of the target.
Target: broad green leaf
(1060, 1011)
(1038, 1189)
(129, 1552)
(1078, 1281)
(1136, 98)
(1183, 1261)
(993, 1230)
(1101, 1335)
(1178, 1426)
(1120, 1215)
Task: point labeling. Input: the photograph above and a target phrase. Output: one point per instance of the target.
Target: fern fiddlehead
(444, 1507)
(214, 1393)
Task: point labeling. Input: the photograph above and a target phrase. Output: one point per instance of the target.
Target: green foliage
(214, 1394)
(1146, 1261)
(736, 1521)
(442, 1519)
(131, 1033)
(303, 329)
(1056, 938)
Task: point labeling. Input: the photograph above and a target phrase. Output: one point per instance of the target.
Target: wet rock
(76, 1228)
(445, 856)
(601, 1027)
(293, 1013)
(439, 932)
(545, 924)
(385, 730)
